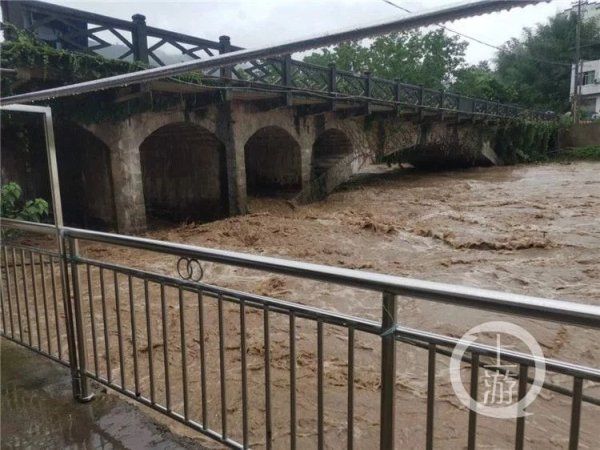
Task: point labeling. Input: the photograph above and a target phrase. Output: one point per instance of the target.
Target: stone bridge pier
(203, 165)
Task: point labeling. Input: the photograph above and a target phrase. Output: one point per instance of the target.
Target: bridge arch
(329, 148)
(85, 176)
(273, 163)
(184, 173)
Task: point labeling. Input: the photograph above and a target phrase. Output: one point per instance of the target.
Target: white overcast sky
(253, 23)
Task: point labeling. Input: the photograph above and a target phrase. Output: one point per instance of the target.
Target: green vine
(49, 67)
(527, 140)
(41, 66)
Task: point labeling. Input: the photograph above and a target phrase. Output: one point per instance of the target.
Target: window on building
(589, 77)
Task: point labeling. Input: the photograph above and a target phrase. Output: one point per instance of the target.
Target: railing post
(368, 84)
(387, 416)
(225, 47)
(332, 78)
(368, 90)
(286, 78)
(441, 99)
(421, 102)
(397, 94)
(84, 394)
(332, 83)
(139, 38)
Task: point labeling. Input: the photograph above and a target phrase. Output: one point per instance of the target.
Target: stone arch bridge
(178, 165)
(267, 127)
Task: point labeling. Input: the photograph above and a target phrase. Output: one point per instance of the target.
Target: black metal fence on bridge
(81, 31)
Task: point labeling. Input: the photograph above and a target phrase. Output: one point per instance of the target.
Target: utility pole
(577, 81)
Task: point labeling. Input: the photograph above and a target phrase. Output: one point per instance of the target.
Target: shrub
(13, 207)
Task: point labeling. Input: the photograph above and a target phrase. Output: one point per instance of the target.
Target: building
(590, 78)
(590, 87)
(589, 10)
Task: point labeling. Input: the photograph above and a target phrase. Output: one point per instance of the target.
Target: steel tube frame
(387, 415)
(558, 310)
(83, 394)
(388, 328)
(57, 230)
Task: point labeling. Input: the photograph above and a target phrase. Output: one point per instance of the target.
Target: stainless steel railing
(250, 370)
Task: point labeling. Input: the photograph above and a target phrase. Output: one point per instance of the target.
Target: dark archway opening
(273, 163)
(329, 149)
(184, 174)
(23, 154)
(85, 176)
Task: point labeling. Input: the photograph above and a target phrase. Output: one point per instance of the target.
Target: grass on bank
(589, 153)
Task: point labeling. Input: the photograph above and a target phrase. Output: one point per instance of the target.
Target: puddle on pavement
(39, 412)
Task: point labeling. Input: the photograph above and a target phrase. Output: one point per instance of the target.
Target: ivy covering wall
(527, 141)
(41, 66)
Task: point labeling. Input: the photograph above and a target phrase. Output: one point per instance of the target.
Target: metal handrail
(388, 330)
(514, 304)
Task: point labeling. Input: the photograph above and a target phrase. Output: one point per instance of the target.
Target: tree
(481, 81)
(431, 58)
(537, 67)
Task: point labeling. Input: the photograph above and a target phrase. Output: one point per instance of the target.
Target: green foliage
(49, 67)
(13, 207)
(526, 141)
(590, 153)
(528, 66)
(533, 71)
(431, 58)
(480, 81)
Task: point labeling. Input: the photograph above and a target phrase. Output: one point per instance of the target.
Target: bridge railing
(251, 369)
(88, 32)
(82, 31)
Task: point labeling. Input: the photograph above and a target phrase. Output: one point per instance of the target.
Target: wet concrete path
(38, 411)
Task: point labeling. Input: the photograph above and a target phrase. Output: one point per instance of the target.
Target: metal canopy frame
(431, 17)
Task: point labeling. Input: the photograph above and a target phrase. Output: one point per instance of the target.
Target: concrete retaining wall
(581, 135)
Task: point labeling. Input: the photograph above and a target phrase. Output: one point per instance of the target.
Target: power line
(479, 41)
(444, 26)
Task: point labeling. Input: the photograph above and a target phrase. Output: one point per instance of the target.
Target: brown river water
(525, 229)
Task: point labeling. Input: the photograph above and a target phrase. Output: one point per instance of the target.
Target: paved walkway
(38, 411)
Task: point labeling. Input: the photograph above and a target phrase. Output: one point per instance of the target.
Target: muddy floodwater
(525, 229)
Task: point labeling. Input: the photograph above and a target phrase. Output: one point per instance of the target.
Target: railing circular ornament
(190, 269)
